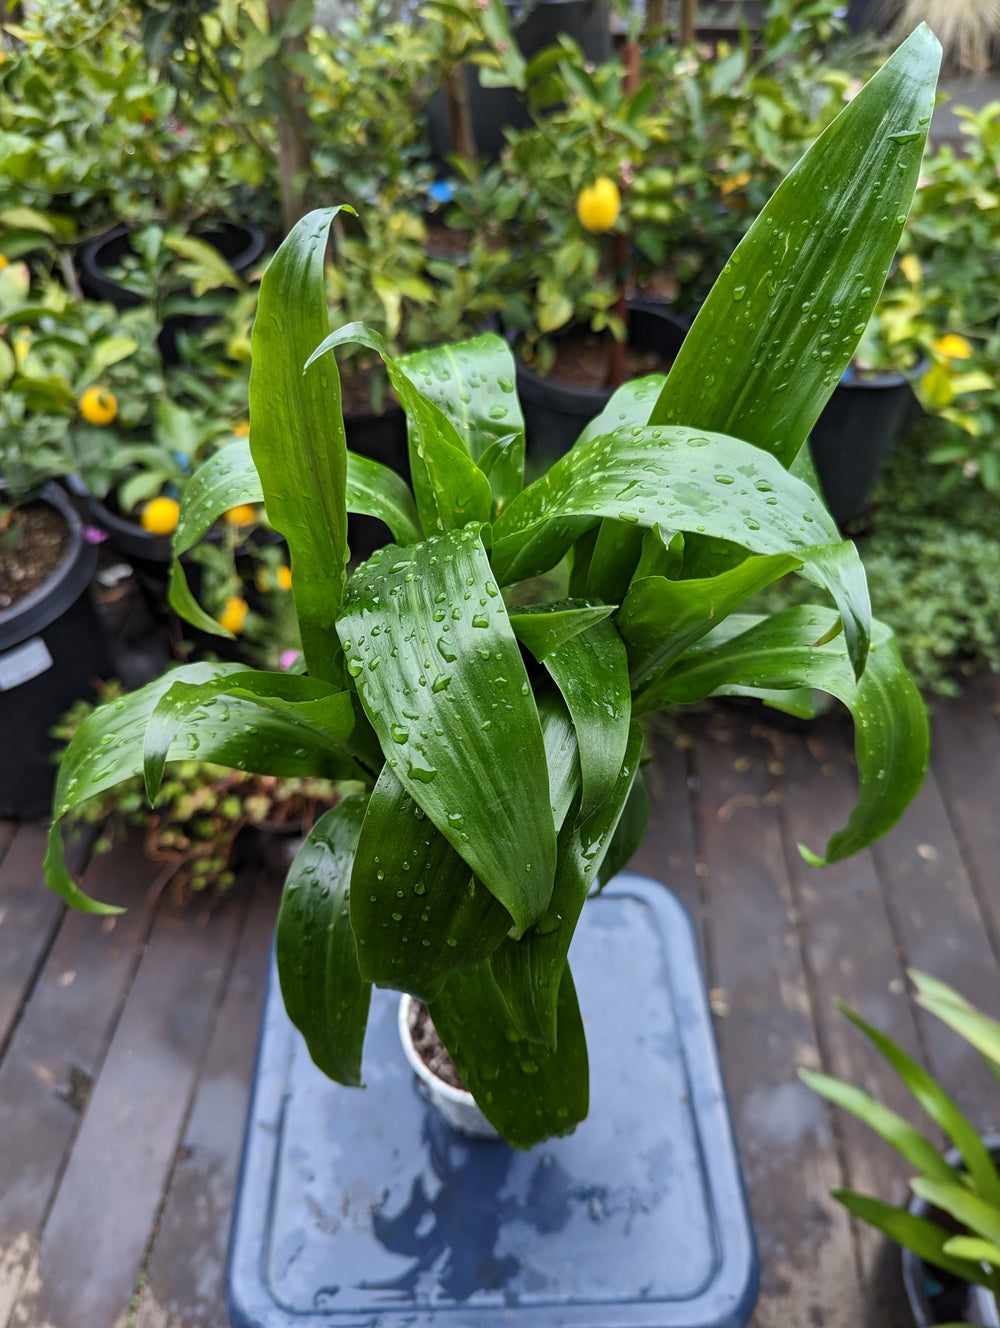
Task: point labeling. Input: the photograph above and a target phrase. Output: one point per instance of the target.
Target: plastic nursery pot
(534, 26)
(853, 437)
(936, 1297)
(456, 1105)
(383, 438)
(52, 651)
(555, 412)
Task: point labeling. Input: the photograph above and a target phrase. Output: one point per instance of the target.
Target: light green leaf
(427, 637)
(325, 995)
(972, 1210)
(297, 435)
(972, 1247)
(630, 405)
(926, 1239)
(780, 325)
(542, 628)
(417, 911)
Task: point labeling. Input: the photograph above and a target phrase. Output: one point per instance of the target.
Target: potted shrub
(950, 1231)
(492, 717)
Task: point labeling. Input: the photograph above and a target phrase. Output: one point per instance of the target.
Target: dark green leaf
(527, 1092)
(450, 489)
(782, 322)
(473, 384)
(417, 911)
(710, 485)
(427, 636)
(628, 834)
(324, 993)
(542, 628)
(614, 559)
(924, 1238)
(559, 737)
(891, 734)
(297, 436)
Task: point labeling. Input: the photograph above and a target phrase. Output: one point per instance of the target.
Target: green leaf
(417, 911)
(630, 405)
(527, 1092)
(325, 995)
(628, 834)
(450, 489)
(660, 617)
(680, 479)
(972, 1247)
(890, 723)
(942, 1109)
(780, 325)
(559, 737)
(972, 1210)
(427, 637)
(297, 435)
(529, 970)
(614, 559)
(229, 477)
(472, 383)
(976, 1028)
(924, 1238)
(279, 712)
(542, 628)
(591, 671)
(892, 1127)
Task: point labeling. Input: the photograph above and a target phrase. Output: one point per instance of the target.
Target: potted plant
(950, 1231)
(495, 730)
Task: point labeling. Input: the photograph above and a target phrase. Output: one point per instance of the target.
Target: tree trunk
(463, 138)
(294, 160)
(687, 21)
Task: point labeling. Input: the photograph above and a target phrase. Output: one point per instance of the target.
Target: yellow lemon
(953, 347)
(234, 614)
(735, 183)
(3, 262)
(241, 515)
(242, 429)
(159, 516)
(598, 205)
(98, 405)
(283, 576)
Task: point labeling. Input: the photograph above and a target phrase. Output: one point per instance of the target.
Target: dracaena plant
(485, 675)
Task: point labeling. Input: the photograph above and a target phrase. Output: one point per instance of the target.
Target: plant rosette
(484, 676)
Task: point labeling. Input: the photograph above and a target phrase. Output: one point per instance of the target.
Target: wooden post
(616, 360)
(686, 23)
(294, 160)
(463, 138)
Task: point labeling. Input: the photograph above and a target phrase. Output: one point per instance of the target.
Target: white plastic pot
(456, 1105)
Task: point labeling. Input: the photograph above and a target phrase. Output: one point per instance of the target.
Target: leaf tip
(808, 856)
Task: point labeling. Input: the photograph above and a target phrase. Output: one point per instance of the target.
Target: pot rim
(64, 584)
(460, 1096)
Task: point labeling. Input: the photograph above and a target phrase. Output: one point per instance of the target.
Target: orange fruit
(233, 616)
(160, 515)
(242, 515)
(283, 576)
(98, 405)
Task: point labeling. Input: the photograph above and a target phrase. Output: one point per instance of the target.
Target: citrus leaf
(325, 995)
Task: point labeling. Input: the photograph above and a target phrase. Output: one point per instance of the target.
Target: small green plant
(493, 721)
(964, 1240)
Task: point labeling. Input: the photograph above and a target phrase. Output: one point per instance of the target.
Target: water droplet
(399, 733)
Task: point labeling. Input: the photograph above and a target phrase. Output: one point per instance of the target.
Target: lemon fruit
(159, 516)
(98, 405)
(598, 205)
(241, 515)
(233, 616)
(283, 576)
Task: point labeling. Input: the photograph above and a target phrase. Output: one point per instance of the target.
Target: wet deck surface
(126, 1045)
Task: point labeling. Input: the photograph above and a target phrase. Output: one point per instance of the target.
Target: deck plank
(809, 1271)
(29, 916)
(97, 1232)
(941, 931)
(57, 1048)
(184, 1283)
(850, 952)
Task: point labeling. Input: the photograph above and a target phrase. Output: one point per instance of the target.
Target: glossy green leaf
(970, 1209)
(924, 1238)
(297, 435)
(417, 911)
(614, 559)
(325, 995)
(708, 484)
(780, 325)
(631, 404)
(591, 671)
(277, 713)
(529, 970)
(229, 477)
(628, 833)
(527, 1092)
(104, 751)
(450, 489)
(917, 1150)
(561, 757)
(890, 722)
(472, 383)
(660, 617)
(941, 1108)
(427, 637)
(542, 628)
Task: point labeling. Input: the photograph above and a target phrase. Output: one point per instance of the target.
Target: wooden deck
(126, 1044)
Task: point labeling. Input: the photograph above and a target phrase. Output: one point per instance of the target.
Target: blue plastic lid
(364, 1207)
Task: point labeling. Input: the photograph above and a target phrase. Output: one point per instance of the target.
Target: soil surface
(355, 393)
(33, 542)
(430, 1048)
(584, 361)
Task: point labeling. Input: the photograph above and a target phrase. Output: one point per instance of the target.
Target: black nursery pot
(382, 438)
(853, 437)
(555, 412)
(52, 651)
